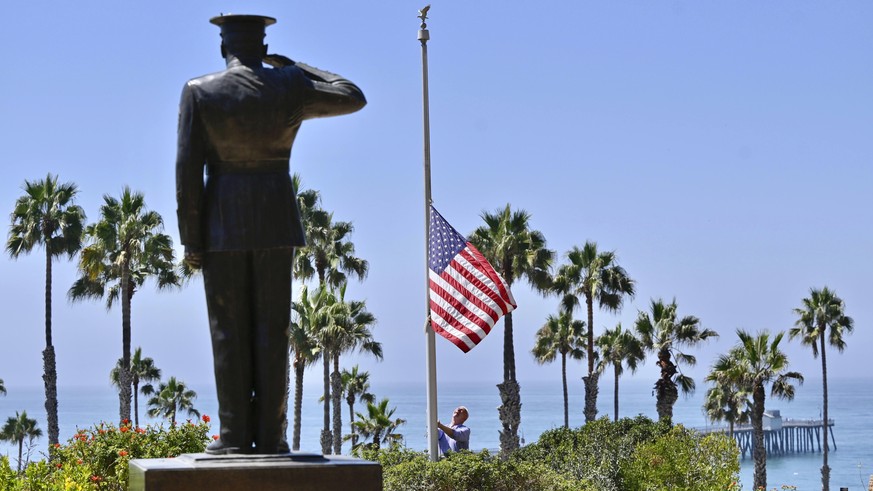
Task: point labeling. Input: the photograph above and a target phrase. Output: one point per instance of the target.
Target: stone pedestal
(288, 472)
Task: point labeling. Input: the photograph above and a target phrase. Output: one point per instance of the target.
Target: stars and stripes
(467, 296)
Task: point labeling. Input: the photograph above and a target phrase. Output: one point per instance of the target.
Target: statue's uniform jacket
(238, 126)
(245, 119)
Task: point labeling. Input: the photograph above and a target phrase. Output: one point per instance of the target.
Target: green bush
(594, 453)
(629, 455)
(683, 460)
(98, 458)
(404, 470)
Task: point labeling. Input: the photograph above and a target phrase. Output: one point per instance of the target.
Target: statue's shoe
(280, 448)
(218, 447)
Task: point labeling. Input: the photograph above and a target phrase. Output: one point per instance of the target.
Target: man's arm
(448, 430)
(190, 158)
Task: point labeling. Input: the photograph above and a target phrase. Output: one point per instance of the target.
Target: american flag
(467, 296)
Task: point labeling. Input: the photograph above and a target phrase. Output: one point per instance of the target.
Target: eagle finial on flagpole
(422, 14)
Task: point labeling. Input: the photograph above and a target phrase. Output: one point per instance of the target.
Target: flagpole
(430, 356)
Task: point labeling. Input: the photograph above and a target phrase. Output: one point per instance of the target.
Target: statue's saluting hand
(278, 61)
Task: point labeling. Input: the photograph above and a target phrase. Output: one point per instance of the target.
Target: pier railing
(782, 437)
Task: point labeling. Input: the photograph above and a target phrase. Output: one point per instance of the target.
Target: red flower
(215, 437)
(123, 453)
(125, 422)
(95, 478)
(79, 461)
(141, 431)
(124, 429)
(206, 418)
(58, 465)
(57, 445)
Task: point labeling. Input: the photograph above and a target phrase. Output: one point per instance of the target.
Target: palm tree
(823, 315)
(124, 249)
(47, 216)
(303, 346)
(18, 428)
(311, 213)
(726, 401)
(318, 314)
(305, 349)
(663, 333)
(329, 253)
(560, 335)
(378, 425)
(351, 332)
(755, 362)
(595, 277)
(356, 384)
(141, 370)
(170, 398)
(618, 348)
(508, 243)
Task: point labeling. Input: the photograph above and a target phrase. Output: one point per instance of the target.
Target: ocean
(542, 409)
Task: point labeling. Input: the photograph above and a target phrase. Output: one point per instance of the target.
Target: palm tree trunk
(591, 389)
(759, 452)
(326, 438)
(320, 268)
(336, 392)
(825, 469)
(508, 349)
(284, 430)
(354, 434)
(589, 303)
(298, 403)
(591, 379)
(665, 388)
(564, 383)
(136, 404)
(124, 394)
(509, 411)
(50, 371)
(510, 397)
(615, 396)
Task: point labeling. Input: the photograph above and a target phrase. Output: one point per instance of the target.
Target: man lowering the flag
(457, 436)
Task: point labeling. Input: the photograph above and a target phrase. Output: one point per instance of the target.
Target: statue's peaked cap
(240, 23)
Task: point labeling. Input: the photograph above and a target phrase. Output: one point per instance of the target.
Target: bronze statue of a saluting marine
(240, 222)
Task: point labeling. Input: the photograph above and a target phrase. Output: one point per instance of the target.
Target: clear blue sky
(723, 149)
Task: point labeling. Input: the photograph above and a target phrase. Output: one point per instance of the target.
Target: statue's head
(243, 35)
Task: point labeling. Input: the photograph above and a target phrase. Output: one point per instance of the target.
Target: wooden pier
(782, 436)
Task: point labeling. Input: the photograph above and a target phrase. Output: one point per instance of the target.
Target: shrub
(404, 470)
(594, 453)
(98, 458)
(684, 460)
(630, 455)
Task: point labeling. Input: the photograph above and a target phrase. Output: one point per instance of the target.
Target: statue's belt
(248, 167)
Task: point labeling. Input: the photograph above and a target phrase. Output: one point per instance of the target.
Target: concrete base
(286, 472)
